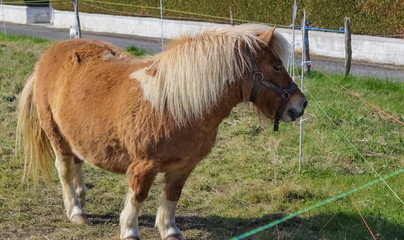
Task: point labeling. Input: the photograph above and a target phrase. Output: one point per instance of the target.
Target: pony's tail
(37, 149)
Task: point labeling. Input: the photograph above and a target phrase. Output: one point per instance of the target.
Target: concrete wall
(364, 48)
(147, 27)
(25, 14)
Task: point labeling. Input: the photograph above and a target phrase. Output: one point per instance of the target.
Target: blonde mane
(193, 73)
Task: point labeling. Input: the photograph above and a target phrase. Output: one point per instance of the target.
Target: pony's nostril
(294, 113)
(305, 104)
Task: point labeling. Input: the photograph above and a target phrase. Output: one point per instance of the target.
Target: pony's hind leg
(165, 219)
(78, 181)
(66, 170)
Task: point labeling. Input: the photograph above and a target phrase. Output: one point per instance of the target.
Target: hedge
(31, 3)
(373, 17)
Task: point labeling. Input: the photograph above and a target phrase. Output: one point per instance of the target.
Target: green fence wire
(259, 229)
(284, 219)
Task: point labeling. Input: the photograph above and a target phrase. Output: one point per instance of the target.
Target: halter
(284, 93)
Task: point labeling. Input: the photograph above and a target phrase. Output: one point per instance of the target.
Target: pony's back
(80, 95)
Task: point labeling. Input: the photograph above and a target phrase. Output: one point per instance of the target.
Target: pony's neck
(236, 93)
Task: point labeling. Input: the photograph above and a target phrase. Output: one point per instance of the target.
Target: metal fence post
(348, 46)
(306, 45)
(76, 9)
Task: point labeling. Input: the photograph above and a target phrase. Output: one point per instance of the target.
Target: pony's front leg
(141, 177)
(129, 217)
(165, 219)
(66, 170)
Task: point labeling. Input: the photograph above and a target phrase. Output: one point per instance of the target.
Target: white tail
(37, 149)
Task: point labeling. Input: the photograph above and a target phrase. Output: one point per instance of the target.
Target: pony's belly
(116, 163)
(185, 151)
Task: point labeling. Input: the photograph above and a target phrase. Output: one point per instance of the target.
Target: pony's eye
(277, 68)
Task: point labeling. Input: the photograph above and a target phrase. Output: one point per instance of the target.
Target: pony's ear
(266, 36)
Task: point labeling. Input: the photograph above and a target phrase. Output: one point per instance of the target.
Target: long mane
(193, 73)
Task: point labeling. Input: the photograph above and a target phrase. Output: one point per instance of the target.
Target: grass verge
(135, 51)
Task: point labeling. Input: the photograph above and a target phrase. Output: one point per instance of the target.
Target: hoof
(175, 237)
(132, 238)
(80, 219)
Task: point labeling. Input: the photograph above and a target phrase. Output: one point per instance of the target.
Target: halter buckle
(286, 94)
(258, 76)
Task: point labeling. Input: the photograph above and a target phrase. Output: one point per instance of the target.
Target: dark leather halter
(284, 93)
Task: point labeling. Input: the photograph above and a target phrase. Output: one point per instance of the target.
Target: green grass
(135, 51)
(250, 179)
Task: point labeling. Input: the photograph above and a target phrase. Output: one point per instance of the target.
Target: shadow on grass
(102, 219)
(322, 226)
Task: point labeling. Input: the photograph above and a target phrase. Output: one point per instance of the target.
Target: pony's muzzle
(295, 112)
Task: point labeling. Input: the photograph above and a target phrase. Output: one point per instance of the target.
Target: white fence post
(291, 60)
(4, 18)
(231, 17)
(162, 27)
(305, 62)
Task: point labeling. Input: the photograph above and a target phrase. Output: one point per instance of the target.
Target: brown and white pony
(90, 101)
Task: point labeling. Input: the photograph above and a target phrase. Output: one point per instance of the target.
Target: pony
(90, 101)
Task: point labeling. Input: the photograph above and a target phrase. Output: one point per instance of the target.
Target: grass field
(250, 179)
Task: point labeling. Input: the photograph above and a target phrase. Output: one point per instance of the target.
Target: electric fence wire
(350, 143)
(357, 209)
(361, 98)
(259, 229)
(319, 204)
(354, 148)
